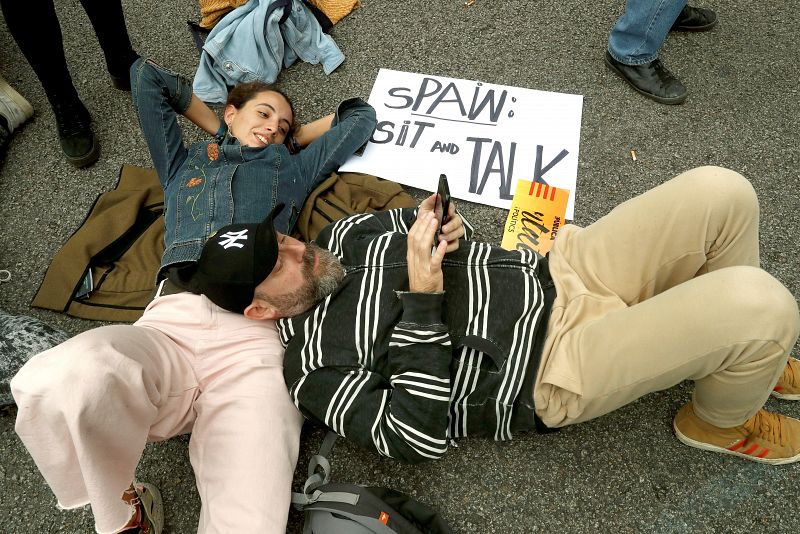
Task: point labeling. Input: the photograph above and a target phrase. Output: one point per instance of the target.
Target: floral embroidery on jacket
(213, 151)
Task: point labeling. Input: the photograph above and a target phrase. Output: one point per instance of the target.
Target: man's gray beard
(315, 287)
(332, 272)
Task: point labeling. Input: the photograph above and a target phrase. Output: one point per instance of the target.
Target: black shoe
(75, 131)
(694, 19)
(653, 80)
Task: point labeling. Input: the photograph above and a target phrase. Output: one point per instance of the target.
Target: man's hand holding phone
(453, 228)
(424, 266)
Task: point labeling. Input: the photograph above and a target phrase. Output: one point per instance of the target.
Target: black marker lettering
(394, 92)
(441, 98)
(422, 94)
(386, 127)
(494, 109)
(538, 170)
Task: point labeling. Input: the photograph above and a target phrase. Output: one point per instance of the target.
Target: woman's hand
(307, 133)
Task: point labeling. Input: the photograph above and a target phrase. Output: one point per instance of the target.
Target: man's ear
(260, 310)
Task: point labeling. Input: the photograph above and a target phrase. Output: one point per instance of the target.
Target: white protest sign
(482, 136)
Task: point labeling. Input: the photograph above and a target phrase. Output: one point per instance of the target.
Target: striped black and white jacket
(402, 372)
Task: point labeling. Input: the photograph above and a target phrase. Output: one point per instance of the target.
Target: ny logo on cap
(230, 239)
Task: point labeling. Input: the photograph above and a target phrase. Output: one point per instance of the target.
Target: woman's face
(263, 120)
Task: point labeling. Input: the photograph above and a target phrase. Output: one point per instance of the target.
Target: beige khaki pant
(666, 287)
(88, 406)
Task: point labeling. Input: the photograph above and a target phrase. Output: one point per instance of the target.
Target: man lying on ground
(413, 349)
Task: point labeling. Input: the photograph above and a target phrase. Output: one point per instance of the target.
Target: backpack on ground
(332, 508)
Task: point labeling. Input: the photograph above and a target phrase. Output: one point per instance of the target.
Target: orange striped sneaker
(766, 437)
(788, 386)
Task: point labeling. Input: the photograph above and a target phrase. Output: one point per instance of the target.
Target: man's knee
(724, 186)
(761, 300)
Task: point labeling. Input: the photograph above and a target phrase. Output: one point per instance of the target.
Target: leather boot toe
(694, 19)
(651, 79)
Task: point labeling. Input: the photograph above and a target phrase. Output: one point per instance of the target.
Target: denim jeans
(639, 33)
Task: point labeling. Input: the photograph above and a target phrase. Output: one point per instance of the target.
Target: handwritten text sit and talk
(436, 101)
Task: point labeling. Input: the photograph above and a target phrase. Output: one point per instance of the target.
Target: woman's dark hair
(242, 93)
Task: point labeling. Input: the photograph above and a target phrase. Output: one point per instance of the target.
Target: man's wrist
(421, 308)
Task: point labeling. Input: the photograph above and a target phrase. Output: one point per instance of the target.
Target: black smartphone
(442, 206)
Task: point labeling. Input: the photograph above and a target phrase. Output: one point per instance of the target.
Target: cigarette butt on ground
(469, 3)
(633, 155)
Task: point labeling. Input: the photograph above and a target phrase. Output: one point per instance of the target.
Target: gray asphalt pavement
(623, 473)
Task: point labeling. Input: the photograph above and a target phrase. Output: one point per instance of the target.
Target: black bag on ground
(332, 508)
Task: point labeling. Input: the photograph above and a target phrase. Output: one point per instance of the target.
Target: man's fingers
(420, 237)
(426, 206)
(424, 269)
(454, 228)
(438, 255)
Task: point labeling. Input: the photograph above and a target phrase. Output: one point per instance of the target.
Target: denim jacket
(210, 185)
(253, 41)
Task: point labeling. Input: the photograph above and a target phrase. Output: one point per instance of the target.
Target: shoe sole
(694, 28)
(87, 159)
(17, 98)
(714, 448)
(786, 396)
(651, 96)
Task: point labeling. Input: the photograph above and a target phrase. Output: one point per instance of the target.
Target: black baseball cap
(235, 259)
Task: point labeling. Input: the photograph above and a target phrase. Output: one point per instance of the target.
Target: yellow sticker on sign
(536, 214)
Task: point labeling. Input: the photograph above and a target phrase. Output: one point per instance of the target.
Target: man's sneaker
(766, 437)
(74, 130)
(788, 386)
(14, 110)
(150, 511)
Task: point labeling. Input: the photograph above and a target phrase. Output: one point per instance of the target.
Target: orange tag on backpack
(383, 518)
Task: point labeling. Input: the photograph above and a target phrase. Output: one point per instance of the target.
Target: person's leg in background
(14, 111)
(666, 288)
(108, 21)
(638, 35)
(35, 28)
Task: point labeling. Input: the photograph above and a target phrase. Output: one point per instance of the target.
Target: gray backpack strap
(328, 443)
(315, 480)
